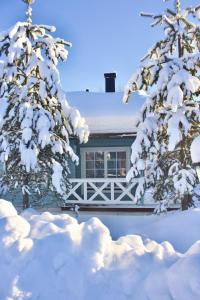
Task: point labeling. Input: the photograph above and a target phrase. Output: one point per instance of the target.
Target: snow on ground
(45, 256)
(171, 227)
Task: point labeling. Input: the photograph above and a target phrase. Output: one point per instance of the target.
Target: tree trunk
(26, 203)
(186, 199)
(185, 202)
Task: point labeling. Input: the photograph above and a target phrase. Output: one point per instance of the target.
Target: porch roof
(105, 112)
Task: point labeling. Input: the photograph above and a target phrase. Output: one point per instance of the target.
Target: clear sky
(107, 35)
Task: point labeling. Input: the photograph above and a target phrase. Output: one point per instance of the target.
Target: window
(116, 164)
(102, 162)
(94, 164)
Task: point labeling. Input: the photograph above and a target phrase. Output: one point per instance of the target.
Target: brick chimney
(110, 82)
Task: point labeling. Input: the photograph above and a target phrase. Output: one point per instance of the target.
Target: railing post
(85, 191)
(112, 191)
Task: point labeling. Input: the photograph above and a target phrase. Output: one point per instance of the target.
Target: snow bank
(45, 256)
(179, 228)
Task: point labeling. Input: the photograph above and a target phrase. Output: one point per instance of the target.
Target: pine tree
(36, 121)
(170, 118)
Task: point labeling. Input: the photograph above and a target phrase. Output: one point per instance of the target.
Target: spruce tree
(170, 118)
(36, 121)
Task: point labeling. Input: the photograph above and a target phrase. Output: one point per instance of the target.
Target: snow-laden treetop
(178, 29)
(36, 120)
(29, 1)
(170, 117)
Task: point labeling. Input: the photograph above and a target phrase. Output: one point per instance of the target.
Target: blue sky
(107, 35)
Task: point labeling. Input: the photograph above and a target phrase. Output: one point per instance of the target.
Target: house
(99, 182)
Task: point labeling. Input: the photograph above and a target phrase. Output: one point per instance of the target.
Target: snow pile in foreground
(53, 257)
(181, 229)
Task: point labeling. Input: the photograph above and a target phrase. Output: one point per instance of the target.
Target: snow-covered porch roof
(105, 112)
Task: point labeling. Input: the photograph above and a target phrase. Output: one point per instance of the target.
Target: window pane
(99, 173)
(90, 164)
(112, 173)
(99, 164)
(111, 155)
(121, 172)
(121, 155)
(90, 174)
(111, 164)
(121, 164)
(89, 155)
(99, 155)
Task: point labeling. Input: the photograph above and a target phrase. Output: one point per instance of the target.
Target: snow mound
(171, 227)
(6, 209)
(45, 256)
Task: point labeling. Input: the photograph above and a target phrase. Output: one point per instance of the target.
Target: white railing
(102, 191)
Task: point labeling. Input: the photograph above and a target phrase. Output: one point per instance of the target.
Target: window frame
(105, 150)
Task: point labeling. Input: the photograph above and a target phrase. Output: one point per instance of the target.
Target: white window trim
(104, 149)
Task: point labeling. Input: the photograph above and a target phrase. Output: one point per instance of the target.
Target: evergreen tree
(170, 118)
(36, 121)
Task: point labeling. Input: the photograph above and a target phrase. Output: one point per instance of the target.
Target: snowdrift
(52, 257)
(181, 229)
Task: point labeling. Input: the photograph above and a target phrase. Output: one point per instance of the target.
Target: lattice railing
(101, 191)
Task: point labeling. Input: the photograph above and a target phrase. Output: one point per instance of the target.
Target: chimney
(110, 82)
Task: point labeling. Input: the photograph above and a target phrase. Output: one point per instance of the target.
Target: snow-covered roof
(105, 112)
